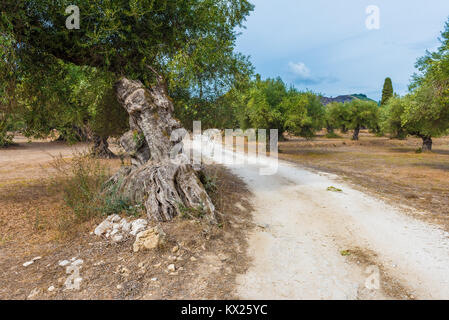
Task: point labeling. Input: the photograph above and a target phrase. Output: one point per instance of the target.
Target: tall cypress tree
(387, 91)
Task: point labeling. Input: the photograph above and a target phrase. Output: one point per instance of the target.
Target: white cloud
(300, 70)
(302, 75)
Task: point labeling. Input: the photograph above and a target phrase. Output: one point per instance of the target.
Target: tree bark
(355, 135)
(161, 177)
(78, 134)
(426, 143)
(100, 148)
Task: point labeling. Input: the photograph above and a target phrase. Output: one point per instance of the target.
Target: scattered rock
(222, 257)
(77, 262)
(51, 289)
(34, 293)
(137, 226)
(117, 238)
(193, 259)
(239, 206)
(113, 218)
(171, 267)
(153, 279)
(125, 225)
(175, 249)
(148, 239)
(117, 229)
(103, 227)
(26, 264)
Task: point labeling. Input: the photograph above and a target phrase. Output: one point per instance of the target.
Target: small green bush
(209, 181)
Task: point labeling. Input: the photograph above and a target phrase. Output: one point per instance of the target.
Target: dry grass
(30, 224)
(389, 168)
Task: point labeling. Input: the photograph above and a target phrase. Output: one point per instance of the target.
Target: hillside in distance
(345, 98)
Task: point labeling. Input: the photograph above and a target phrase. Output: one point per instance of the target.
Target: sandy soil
(318, 244)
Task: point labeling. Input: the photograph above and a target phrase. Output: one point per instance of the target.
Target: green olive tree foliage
(268, 104)
(363, 114)
(77, 101)
(424, 112)
(424, 116)
(8, 81)
(304, 113)
(126, 36)
(337, 115)
(188, 42)
(428, 114)
(215, 104)
(418, 113)
(391, 117)
(260, 105)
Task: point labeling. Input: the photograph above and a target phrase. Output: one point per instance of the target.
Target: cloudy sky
(325, 45)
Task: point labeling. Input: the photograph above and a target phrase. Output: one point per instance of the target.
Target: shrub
(81, 181)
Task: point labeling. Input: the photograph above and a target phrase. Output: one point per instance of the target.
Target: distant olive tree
(424, 112)
(362, 114)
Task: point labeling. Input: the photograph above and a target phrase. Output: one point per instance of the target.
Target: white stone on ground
(116, 228)
(63, 263)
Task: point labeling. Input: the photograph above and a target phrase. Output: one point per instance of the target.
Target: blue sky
(325, 46)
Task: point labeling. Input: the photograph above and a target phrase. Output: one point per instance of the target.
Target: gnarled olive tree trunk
(160, 177)
(355, 135)
(100, 148)
(426, 143)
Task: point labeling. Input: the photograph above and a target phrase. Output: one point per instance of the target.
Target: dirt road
(313, 243)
